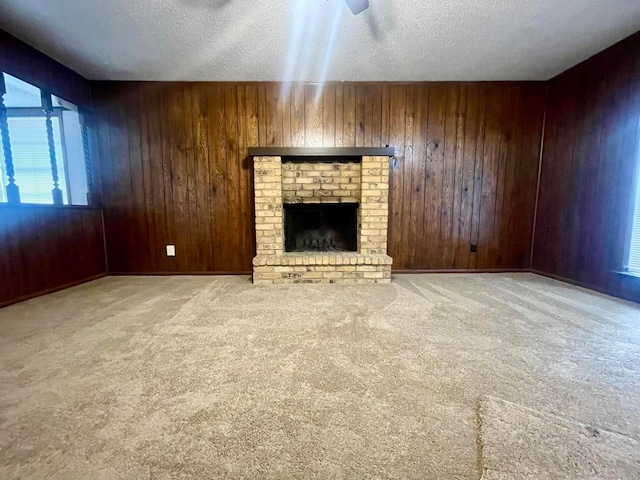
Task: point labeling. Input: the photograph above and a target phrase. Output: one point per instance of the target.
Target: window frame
(634, 202)
(85, 197)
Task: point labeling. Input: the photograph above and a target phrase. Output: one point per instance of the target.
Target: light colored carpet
(521, 443)
(212, 377)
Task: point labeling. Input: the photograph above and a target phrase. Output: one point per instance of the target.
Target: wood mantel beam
(321, 152)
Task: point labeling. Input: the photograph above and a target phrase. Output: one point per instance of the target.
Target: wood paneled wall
(174, 166)
(25, 62)
(589, 161)
(45, 248)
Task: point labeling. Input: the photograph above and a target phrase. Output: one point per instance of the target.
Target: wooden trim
(535, 207)
(248, 273)
(48, 205)
(177, 274)
(587, 286)
(104, 243)
(461, 270)
(52, 290)
(280, 83)
(321, 152)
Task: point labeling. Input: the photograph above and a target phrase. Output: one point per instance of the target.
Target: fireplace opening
(319, 227)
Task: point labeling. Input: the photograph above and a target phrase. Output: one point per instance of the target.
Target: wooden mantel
(321, 152)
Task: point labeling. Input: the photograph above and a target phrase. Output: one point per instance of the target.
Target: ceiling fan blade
(357, 6)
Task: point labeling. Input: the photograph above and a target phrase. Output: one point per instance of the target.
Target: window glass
(29, 141)
(633, 259)
(20, 94)
(31, 158)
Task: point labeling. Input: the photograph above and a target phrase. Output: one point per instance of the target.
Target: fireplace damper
(321, 227)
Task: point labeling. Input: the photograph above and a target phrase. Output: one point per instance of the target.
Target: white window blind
(31, 158)
(633, 261)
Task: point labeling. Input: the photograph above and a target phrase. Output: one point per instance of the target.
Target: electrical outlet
(474, 248)
(171, 250)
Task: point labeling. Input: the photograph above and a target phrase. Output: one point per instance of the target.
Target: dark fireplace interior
(321, 227)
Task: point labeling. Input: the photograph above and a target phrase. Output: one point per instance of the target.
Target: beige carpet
(211, 377)
(521, 443)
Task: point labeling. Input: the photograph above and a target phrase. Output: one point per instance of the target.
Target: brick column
(374, 205)
(267, 176)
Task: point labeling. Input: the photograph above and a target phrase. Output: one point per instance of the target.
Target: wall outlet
(474, 248)
(171, 250)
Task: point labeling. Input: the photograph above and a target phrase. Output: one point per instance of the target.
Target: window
(31, 160)
(633, 253)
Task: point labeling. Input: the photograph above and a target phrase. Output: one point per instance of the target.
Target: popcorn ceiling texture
(314, 40)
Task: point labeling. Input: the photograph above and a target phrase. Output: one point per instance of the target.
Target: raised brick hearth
(315, 181)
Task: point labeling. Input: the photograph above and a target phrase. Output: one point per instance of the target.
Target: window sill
(46, 205)
(627, 273)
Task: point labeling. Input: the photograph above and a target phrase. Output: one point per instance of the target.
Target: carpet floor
(521, 443)
(212, 377)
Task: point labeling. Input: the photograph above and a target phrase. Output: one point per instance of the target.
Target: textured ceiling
(316, 40)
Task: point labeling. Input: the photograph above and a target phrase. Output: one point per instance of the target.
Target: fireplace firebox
(321, 227)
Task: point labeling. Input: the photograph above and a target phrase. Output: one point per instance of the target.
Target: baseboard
(51, 290)
(249, 272)
(486, 270)
(586, 286)
(165, 274)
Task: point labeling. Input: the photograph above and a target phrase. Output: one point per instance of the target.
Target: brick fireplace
(321, 216)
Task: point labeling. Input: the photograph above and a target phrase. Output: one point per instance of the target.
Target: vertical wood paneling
(349, 116)
(138, 202)
(234, 209)
(397, 126)
(460, 252)
(313, 116)
(415, 212)
(163, 99)
(528, 171)
(244, 201)
(360, 115)
(329, 116)
(410, 166)
(192, 175)
(588, 167)
(434, 175)
(221, 188)
(145, 145)
(202, 178)
(484, 147)
(176, 167)
(43, 248)
(469, 140)
(452, 104)
(339, 118)
(487, 177)
(297, 116)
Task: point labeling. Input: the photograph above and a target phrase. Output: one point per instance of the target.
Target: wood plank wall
(174, 166)
(45, 248)
(589, 161)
